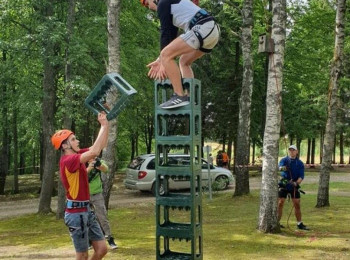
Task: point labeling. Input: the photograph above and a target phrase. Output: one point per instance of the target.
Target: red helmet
(59, 137)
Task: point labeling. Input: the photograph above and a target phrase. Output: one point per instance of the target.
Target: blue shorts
(83, 226)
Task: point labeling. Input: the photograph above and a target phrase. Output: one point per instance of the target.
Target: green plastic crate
(110, 95)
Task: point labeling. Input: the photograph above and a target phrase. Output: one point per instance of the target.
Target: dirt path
(122, 197)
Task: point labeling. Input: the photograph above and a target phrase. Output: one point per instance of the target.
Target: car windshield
(136, 163)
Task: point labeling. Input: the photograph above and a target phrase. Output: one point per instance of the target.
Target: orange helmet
(59, 137)
(144, 3)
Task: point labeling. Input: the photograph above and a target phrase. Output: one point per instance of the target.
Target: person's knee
(82, 256)
(165, 56)
(101, 251)
(280, 202)
(100, 248)
(297, 206)
(184, 62)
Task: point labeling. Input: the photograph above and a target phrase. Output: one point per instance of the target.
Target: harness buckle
(71, 204)
(200, 15)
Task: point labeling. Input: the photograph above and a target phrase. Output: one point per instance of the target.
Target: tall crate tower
(178, 215)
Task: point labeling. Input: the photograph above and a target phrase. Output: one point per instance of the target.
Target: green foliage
(309, 50)
(219, 73)
(139, 46)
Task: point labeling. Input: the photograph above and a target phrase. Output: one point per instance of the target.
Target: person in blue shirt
(200, 35)
(292, 172)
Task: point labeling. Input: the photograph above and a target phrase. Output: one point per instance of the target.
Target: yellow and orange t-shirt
(75, 179)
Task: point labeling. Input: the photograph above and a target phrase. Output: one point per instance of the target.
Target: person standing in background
(95, 168)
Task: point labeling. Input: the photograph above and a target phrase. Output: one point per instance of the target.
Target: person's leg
(297, 210)
(280, 208)
(176, 48)
(97, 238)
(82, 255)
(100, 249)
(101, 212)
(296, 203)
(78, 229)
(186, 61)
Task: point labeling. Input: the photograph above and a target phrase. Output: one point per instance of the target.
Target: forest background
(78, 59)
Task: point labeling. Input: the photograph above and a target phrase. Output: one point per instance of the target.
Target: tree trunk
(253, 153)
(341, 147)
(229, 152)
(133, 145)
(5, 136)
(149, 129)
(335, 75)
(313, 148)
(109, 156)
(308, 155)
(321, 145)
(15, 151)
(243, 135)
(41, 157)
(299, 145)
(223, 142)
(48, 114)
(67, 120)
(268, 221)
(334, 148)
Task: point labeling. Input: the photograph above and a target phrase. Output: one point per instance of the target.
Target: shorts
(208, 31)
(83, 226)
(282, 193)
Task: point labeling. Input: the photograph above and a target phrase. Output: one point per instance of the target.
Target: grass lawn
(229, 231)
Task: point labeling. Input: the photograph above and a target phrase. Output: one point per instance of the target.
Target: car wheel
(221, 183)
(161, 189)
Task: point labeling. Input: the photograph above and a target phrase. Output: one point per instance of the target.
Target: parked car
(141, 174)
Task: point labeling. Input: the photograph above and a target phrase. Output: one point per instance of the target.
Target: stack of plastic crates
(178, 215)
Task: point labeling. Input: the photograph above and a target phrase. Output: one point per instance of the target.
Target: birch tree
(243, 135)
(268, 221)
(109, 154)
(335, 75)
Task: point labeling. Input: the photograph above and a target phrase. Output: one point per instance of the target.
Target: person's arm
(100, 142)
(282, 164)
(301, 172)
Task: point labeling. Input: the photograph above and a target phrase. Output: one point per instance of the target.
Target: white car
(141, 174)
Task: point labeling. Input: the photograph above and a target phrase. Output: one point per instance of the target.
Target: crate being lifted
(110, 95)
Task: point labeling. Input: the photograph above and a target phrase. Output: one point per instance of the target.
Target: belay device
(110, 95)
